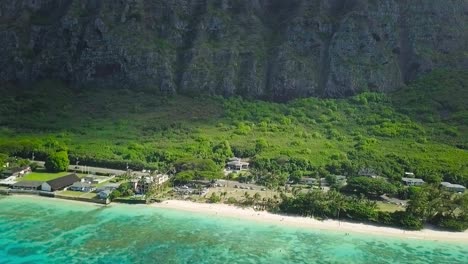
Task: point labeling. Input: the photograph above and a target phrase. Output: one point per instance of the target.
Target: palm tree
(256, 197)
(264, 204)
(338, 202)
(247, 197)
(223, 194)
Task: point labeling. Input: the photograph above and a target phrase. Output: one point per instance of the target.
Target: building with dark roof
(27, 185)
(60, 183)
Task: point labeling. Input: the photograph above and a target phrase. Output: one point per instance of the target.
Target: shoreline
(249, 214)
(39, 197)
(224, 210)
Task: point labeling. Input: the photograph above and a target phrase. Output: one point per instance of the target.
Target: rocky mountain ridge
(269, 49)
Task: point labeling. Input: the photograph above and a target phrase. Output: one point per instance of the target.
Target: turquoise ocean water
(39, 230)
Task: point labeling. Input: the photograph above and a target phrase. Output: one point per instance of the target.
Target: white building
(161, 178)
(412, 181)
(236, 164)
(82, 187)
(453, 187)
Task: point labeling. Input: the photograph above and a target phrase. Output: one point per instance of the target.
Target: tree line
(427, 204)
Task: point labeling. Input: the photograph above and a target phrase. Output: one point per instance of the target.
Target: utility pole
(128, 171)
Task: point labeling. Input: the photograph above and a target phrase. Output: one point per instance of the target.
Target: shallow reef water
(39, 230)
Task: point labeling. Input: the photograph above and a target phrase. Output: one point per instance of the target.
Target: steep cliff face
(271, 49)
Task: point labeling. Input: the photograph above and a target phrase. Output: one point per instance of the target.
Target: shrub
(214, 198)
(407, 220)
(385, 218)
(370, 187)
(244, 151)
(454, 224)
(33, 166)
(115, 194)
(261, 144)
(231, 200)
(184, 176)
(242, 129)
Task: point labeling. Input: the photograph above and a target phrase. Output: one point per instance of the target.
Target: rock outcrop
(269, 49)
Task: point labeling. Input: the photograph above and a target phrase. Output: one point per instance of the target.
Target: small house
(236, 164)
(314, 181)
(82, 187)
(17, 172)
(60, 183)
(94, 179)
(341, 178)
(412, 181)
(368, 172)
(453, 187)
(104, 194)
(308, 181)
(161, 178)
(27, 185)
(108, 187)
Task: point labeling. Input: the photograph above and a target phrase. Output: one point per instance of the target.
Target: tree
(224, 194)
(214, 198)
(3, 160)
(248, 198)
(331, 179)
(338, 202)
(407, 220)
(33, 166)
(196, 164)
(184, 176)
(428, 202)
(261, 144)
(115, 194)
(296, 176)
(57, 162)
(222, 152)
(257, 197)
(370, 187)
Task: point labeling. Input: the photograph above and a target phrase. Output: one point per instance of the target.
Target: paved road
(92, 170)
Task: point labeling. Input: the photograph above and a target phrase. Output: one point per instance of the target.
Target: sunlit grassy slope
(421, 127)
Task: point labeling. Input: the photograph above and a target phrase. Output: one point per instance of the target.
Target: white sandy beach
(223, 210)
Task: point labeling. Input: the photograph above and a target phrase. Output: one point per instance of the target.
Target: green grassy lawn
(42, 176)
(388, 207)
(90, 195)
(102, 183)
(71, 193)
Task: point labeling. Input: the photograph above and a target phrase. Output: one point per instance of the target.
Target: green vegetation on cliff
(421, 128)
